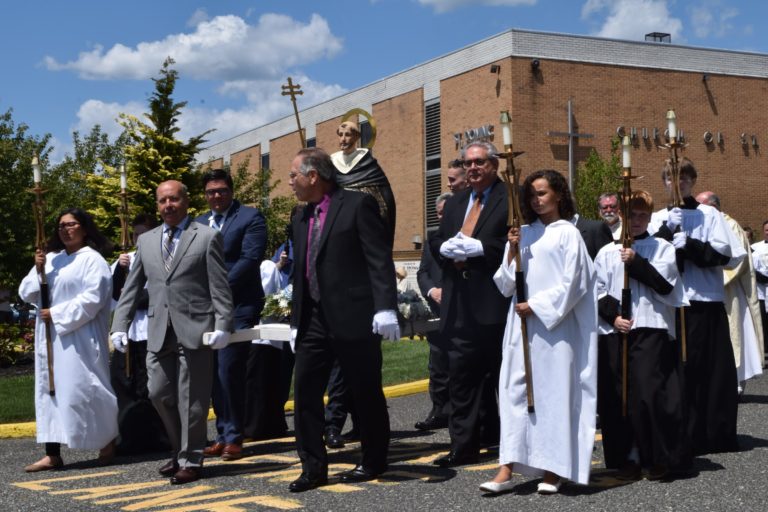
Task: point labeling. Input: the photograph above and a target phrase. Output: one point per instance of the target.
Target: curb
(20, 430)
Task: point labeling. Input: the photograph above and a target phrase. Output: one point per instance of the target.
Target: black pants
(340, 401)
(264, 403)
(474, 360)
(360, 361)
(438, 375)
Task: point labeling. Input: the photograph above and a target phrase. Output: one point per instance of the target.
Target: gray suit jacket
(194, 294)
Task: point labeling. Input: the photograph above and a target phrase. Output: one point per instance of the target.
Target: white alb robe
(560, 283)
(83, 413)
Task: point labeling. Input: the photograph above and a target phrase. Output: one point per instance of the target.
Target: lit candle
(506, 128)
(37, 176)
(671, 124)
(123, 178)
(625, 153)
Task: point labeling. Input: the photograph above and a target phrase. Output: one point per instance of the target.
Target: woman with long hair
(560, 311)
(83, 412)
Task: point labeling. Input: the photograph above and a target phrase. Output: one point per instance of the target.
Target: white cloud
(199, 16)
(93, 112)
(632, 19)
(223, 48)
(449, 5)
(712, 18)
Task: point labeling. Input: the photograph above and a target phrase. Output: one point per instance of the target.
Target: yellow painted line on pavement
(90, 493)
(18, 430)
(38, 485)
(341, 488)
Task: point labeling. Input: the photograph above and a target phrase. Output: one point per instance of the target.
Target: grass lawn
(17, 398)
(404, 361)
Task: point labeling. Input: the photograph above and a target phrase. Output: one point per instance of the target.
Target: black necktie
(217, 221)
(314, 243)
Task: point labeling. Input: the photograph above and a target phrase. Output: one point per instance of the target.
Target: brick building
(425, 113)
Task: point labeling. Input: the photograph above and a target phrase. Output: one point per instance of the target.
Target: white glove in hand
(448, 247)
(470, 246)
(679, 239)
(674, 218)
(385, 323)
(218, 340)
(294, 333)
(119, 341)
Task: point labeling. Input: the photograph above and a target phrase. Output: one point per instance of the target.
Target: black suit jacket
(595, 233)
(429, 276)
(245, 240)
(485, 304)
(355, 271)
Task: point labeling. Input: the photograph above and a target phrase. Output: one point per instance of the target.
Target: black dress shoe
(351, 435)
(333, 439)
(169, 468)
(360, 474)
(306, 483)
(453, 460)
(431, 423)
(185, 476)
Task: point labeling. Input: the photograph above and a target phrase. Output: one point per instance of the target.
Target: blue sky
(71, 65)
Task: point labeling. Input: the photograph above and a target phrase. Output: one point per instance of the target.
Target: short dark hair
(145, 219)
(218, 175)
(456, 163)
(93, 237)
(686, 169)
(319, 160)
(558, 184)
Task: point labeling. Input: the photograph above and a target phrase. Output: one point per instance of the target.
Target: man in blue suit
(245, 239)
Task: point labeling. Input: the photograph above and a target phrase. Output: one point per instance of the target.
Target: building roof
(511, 43)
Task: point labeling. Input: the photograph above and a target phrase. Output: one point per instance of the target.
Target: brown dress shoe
(185, 476)
(232, 451)
(169, 468)
(106, 454)
(55, 463)
(214, 450)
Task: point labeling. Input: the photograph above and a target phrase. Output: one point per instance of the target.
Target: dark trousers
(132, 387)
(229, 392)
(654, 421)
(360, 361)
(711, 396)
(265, 406)
(340, 401)
(764, 318)
(474, 360)
(438, 375)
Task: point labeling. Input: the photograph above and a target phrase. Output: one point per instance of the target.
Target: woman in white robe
(83, 412)
(556, 440)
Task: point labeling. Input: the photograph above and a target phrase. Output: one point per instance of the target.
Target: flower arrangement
(277, 307)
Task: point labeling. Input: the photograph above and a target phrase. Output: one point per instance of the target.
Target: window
(433, 176)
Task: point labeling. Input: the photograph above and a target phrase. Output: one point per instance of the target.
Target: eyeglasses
(212, 192)
(479, 162)
(68, 225)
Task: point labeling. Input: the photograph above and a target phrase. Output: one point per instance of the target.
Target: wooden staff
(677, 201)
(125, 245)
(38, 207)
(626, 292)
(514, 220)
(293, 90)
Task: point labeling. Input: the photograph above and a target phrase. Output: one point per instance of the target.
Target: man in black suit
(469, 246)
(245, 239)
(430, 279)
(595, 234)
(344, 301)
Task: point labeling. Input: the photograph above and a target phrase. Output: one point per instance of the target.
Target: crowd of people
(543, 328)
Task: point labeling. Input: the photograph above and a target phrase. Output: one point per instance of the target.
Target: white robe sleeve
(270, 277)
(69, 315)
(505, 275)
(552, 304)
(29, 289)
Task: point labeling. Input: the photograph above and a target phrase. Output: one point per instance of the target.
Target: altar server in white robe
(555, 441)
(83, 412)
(652, 435)
(704, 246)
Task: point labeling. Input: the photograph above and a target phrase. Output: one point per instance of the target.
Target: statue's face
(347, 139)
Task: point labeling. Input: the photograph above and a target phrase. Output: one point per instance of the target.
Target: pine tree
(596, 176)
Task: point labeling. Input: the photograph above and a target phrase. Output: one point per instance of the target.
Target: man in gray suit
(182, 264)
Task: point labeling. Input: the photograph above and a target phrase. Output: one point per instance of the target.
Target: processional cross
(573, 137)
(294, 90)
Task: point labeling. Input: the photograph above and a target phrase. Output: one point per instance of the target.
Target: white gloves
(461, 247)
(674, 218)
(385, 323)
(679, 239)
(218, 340)
(119, 341)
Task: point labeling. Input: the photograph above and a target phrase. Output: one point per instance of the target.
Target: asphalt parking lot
(730, 481)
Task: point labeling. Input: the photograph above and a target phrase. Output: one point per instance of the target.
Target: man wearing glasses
(610, 212)
(245, 239)
(469, 246)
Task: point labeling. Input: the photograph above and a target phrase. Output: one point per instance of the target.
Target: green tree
(596, 176)
(17, 225)
(154, 153)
